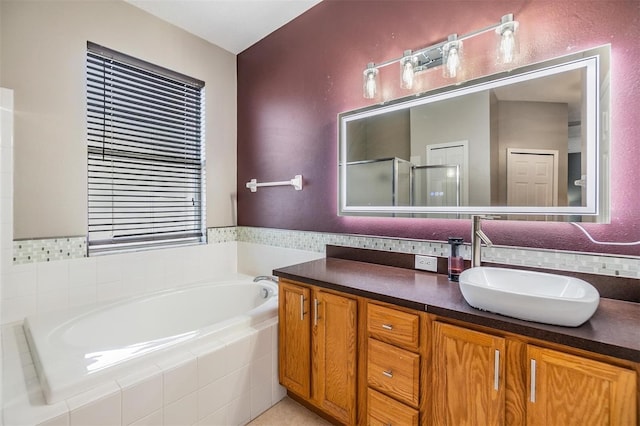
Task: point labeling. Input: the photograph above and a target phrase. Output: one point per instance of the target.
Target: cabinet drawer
(393, 371)
(393, 326)
(383, 410)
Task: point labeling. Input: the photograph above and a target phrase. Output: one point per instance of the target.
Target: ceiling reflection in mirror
(528, 144)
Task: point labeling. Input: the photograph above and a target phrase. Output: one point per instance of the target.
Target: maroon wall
(293, 83)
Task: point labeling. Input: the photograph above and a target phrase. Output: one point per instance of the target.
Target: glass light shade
(407, 70)
(508, 46)
(452, 57)
(370, 82)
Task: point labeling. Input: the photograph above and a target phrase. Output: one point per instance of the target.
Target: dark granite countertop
(613, 330)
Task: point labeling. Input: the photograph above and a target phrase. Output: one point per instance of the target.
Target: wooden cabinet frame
(304, 358)
(517, 408)
(318, 349)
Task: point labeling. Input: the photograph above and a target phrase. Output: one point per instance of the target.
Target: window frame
(145, 154)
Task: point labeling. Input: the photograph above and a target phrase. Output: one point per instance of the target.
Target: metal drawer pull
(387, 326)
(532, 391)
(496, 370)
(301, 307)
(315, 311)
(388, 373)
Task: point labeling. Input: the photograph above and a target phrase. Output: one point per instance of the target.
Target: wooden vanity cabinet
(334, 355)
(478, 375)
(318, 348)
(361, 361)
(468, 371)
(294, 343)
(565, 389)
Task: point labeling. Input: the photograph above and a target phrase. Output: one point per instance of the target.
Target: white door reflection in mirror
(532, 177)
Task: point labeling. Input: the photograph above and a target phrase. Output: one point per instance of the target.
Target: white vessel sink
(532, 296)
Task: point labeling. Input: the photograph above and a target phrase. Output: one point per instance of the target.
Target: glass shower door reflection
(436, 186)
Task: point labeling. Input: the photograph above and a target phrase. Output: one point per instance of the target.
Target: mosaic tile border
(600, 264)
(222, 235)
(49, 249)
(44, 250)
(316, 241)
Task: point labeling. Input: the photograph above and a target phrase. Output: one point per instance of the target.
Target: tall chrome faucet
(477, 238)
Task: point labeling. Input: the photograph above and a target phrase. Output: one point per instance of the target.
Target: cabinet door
(570, 390)
(335, 347)
(294, 343)
(468, 373)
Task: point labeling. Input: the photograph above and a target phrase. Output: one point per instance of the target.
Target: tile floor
(288, 413)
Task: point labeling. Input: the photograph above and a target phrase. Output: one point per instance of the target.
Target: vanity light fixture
(447, 53)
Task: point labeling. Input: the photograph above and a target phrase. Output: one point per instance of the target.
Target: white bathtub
(76, 350)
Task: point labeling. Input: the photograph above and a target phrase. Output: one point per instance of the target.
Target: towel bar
(296, 182)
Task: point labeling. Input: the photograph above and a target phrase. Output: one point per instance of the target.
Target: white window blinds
(145, 154)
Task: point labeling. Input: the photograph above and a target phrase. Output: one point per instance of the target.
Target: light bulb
(453, 62)
(508, 43)
(507, 46)
(407, 75)
(370, 88)
(370, 84)
(407, 70)
(451, 55)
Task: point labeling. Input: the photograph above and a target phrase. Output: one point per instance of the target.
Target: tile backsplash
(44, 250)
(593, 263)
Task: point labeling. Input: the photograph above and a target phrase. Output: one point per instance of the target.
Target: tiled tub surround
(30, 288)
(230, 380)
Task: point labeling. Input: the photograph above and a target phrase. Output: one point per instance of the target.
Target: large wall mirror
(531, 143)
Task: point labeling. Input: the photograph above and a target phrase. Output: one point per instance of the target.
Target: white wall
(6, 180)
(6, 206)
(451, 120)
(533, 124)
(43, 60)
(260, 259)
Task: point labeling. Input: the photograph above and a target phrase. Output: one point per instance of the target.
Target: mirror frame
(596, 151)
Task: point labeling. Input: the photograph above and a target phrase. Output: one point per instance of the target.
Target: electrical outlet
(426, 263)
